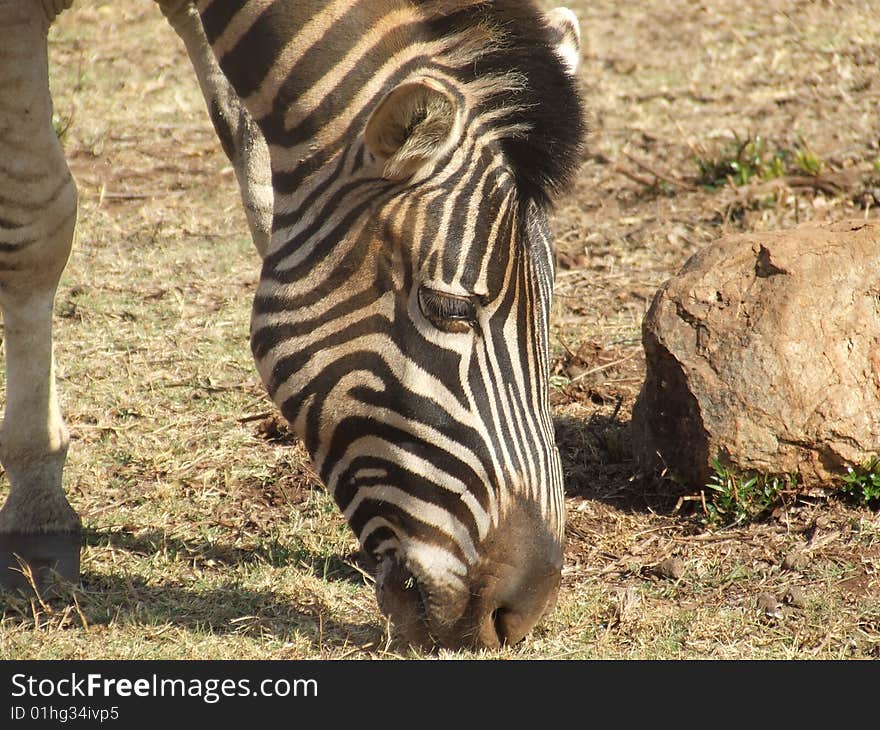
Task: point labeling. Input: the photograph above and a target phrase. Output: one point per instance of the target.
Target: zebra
(397, 159)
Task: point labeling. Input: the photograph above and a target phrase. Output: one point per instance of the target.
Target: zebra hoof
(43, 562)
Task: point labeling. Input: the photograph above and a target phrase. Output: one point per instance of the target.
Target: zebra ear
(566, 34)
(415, 123)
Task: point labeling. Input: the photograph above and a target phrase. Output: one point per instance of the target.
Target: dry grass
(207, 538)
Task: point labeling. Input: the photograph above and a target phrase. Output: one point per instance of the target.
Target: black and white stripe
(425, 425)
(423, 435)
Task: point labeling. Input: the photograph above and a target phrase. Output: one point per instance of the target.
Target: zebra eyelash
(448, 312)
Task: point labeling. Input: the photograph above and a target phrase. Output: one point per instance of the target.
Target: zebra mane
(507, 56)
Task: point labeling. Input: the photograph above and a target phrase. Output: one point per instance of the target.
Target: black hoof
(46, 561)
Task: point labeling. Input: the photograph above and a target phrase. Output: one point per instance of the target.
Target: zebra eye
(448, 312)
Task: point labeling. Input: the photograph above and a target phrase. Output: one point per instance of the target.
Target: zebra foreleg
(38, 527)
(239, 135)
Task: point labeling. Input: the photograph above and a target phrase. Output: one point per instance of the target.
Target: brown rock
(794, 596)
(764, 351)
(768, 605)
(671, 568)
(794, 560)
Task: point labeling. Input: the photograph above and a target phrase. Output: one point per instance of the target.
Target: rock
(769, 606)
(764, 351)
(671, 568)
(794, 596)
(795, 560)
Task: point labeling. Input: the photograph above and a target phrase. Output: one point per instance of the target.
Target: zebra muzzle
(498, 603)
(400, 599)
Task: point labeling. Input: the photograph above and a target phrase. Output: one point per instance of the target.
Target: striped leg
(242, 140)
(37, 219)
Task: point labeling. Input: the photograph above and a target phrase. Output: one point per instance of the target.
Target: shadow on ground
(348, 568)
(231, 608)
(103, 599)
(228, 609)
(597, 464)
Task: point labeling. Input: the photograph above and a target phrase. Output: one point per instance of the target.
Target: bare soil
(669, 83)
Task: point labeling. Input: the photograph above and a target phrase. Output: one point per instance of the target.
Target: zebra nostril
(500, 625)
(499, 629)
(508, 626)
(518, 581)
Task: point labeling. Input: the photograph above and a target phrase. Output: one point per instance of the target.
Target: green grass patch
(749, 158)
(862, 483)
(735, 498)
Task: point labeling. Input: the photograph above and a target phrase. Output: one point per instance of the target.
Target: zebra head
(402, 319)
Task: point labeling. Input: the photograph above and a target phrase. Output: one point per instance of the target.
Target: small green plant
(751, 158)
(740, 161)
(735, 498)
(863, 483)
(62, 127)
(807, 161)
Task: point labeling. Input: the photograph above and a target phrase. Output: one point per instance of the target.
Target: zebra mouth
(400, 598)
